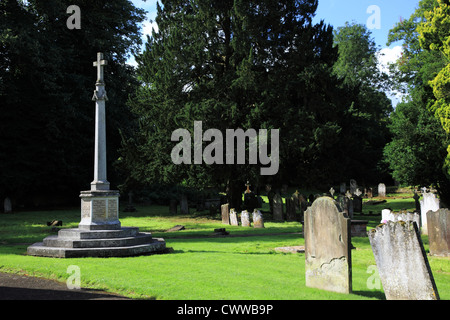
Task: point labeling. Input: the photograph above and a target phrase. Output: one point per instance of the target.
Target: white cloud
(385, 57)
(388, 55)
(147, 28)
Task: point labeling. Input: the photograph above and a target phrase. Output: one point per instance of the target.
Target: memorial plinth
(99, 233)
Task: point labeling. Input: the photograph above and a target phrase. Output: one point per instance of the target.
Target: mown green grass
(243, 266)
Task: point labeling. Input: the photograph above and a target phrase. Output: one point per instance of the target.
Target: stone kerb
(327, 247)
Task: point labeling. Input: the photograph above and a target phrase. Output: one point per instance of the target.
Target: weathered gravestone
(278, 207)
(258, 221)
(233, 218)
(184, 205)
(291, 214)
(438, 223)
(382, 190)
(225, 213)
(428, 203)
(245, 219)
(401, 261)
(327, 247)
(7, 205)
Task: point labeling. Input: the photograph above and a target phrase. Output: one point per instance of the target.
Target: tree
(416, 154)
(235, 64)
(46, 85)
(369, 107)
(434, 34)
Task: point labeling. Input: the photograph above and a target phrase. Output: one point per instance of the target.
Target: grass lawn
(243, 266)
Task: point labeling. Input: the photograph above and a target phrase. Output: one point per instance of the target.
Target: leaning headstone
(233, 218)
(428, 203)
(7, 205)
(438, 224)
(402, 263)
(225, 213)
(327, 247)
(382, 190)
(258, 221)
(278, 207)
(388, 215)
(245, 219)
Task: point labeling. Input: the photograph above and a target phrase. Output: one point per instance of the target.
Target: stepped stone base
(78, 243)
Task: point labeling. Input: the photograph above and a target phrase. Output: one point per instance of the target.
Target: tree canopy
(260, 65)
(46, 85)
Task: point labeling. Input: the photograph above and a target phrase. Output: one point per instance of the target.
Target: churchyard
(203, 265)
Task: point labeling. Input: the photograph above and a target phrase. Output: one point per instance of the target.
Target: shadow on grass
(370, 294)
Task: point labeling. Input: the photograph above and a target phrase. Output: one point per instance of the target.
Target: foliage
(434, 35)
(261, 65)
(358, 68)
(46, 84)
(415, 155)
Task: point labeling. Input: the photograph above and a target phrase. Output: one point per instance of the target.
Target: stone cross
(248, 187)
(100, 181)
(100, 63)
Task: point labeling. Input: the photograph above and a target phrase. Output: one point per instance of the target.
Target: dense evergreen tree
(235, 64)
(46, 85)
(369, 107)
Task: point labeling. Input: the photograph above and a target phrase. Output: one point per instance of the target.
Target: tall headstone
(7, 205)
(99, 233)
(402, 263)
(245, 219)
(225, 213)
(438, 224)
(382, 190)
(278, 207)
(258, 221)
(327, 247)
(428, 203)
(233, 218)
